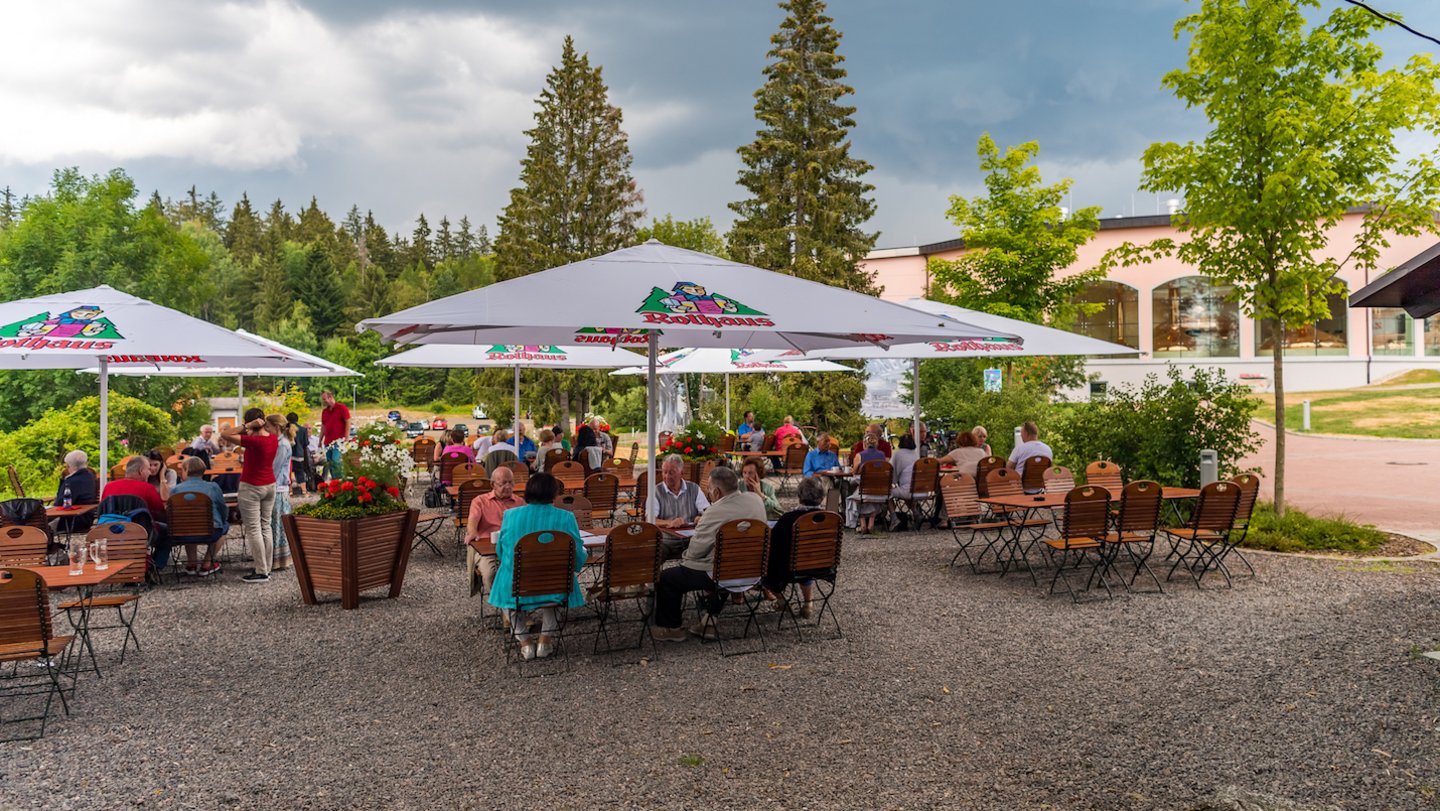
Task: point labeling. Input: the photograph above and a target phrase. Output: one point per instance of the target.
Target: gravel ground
(948, 690)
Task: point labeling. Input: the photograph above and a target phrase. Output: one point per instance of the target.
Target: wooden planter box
(350, 556)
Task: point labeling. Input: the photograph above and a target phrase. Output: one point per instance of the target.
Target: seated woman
(160, 477)
(588, 450)
(538, 515)
(752, 480)
(192, 480)
(902, 463)
(967, 454)
(458, 445)
(548, 443)
(865, 515)
(84, 489)
(811, 493)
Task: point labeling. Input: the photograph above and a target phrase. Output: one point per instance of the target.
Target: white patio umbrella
(103, 328)
(733, 361)
(1038, 341)
(633, 296)
(513, 356)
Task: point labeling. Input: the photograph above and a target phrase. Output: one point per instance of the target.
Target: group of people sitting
(504, 518)
(591, 446)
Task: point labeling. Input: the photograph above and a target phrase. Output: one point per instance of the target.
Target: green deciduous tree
(576, 197)
(698, 234)
(807, 202)
(1303, 128)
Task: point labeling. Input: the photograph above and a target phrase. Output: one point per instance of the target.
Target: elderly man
(696, 564)
(881, 445)
(677, 502)
(484, 521)
(81, 485)
(192, 480)
(822, 457)
(206, 441)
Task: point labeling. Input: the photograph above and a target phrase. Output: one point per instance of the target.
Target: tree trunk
(564, 397)
(1278, 378)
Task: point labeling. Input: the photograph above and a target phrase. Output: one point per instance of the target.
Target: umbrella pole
(650, 435)
(727, 401)
(516, 425)
(104, 421)
(915, 399)
(240, 399)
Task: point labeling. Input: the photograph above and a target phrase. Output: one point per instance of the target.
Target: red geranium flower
(364, 443)
(366, 497)
(348, 486)
(328, 495)
(394, 491)
(689, 450)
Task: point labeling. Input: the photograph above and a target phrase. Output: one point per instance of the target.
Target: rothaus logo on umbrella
(525, 352)
(738, 360)
(82, 327)
(986, 345)
(688, 303)
(612, 336)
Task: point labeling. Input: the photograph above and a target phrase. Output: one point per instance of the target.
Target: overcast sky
(404, 107)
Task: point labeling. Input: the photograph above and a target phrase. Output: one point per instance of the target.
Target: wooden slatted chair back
(663, 437)
(555, 456)
(23, 546)
(190, 516)
(117, 472)
(1249, 485)
(521, 472)
(1140, 507)
(961, 498)
(165, 451)
(816, 543)
(1002, 482)
(794, 459)
(634, 451)
(24, 609)
(742, 549)
(423, 451)
(1059, 479)
(875, 477)
(448, 463)
(1087, 511)
(544, 564)
(495, 459)
(924, 477)
(467, 490)
(603, 490)
(1219, 502)
(727, 443)
(571, 474)
(124, 541)
(622, 468)
(580, 506)
(1034, 476)
(1106, 474)
(174, 462)
(468, 470)
(767, 445)
(632, 556)
(15, 486)
(982, 472)
(642, 490)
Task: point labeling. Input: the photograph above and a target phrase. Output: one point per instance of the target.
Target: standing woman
(285, 434)
(300, 463)
(257, 490)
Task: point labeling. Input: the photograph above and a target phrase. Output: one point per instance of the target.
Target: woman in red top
(257, 490)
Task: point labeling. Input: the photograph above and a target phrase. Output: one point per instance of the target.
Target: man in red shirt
(334, 426)
(484, 522)
(137, 468)
(880, 444)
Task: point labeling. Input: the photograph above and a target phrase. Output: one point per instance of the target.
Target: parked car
(439, 424)
(394, 416)
(423, 423)
(414, 429)
(462, 428)
(478, 413)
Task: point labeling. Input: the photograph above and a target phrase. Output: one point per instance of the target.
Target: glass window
(1391, 332)
(1324, 337)
(1118, 320)
(1193, 319)
(1432, 336)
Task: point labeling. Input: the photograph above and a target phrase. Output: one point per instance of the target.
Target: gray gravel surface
(949, 690)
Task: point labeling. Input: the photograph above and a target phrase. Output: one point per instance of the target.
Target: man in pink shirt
(485, 515)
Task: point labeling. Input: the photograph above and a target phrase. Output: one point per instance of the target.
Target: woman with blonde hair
(285, 431)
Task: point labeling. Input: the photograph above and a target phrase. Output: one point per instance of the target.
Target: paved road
(1393, 484)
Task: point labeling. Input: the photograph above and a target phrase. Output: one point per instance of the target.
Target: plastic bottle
(66, 501)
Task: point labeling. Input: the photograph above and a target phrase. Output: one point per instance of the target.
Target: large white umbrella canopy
(514, 356)
(633, 296)
(1038, 341)
(109, 330)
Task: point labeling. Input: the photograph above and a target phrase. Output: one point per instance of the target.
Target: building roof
(1111, 224)
(1414, 285)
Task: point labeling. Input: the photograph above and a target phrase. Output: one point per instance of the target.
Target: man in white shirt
(502, 443)
(1030, 446)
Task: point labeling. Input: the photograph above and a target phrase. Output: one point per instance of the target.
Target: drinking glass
(100, 553)
(77, 556)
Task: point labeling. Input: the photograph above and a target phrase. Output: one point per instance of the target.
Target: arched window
(1324, 337)
(1118, 319)
(1193, 319)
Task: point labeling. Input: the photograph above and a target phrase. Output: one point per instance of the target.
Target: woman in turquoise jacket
(538, 515)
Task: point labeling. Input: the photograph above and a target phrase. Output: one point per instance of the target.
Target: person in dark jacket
(811, 493)
(84, 489)
(302, 467)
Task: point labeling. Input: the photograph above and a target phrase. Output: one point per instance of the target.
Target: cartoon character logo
(691, 303)
(531, 349)
(81, 327)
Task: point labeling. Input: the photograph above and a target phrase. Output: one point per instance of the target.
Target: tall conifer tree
(807, 202)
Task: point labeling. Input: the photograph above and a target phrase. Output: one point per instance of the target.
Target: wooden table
(69, 512)
(1024, 505)
(58, 578)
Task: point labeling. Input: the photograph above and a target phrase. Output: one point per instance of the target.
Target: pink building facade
(1172, 315)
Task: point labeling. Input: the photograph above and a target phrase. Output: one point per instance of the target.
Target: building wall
(902, 273)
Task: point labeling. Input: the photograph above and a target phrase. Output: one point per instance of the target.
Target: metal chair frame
(814, 555)
(1087, 515)
(629, 570)
(742, 549)
(1207, 539)
(27, 636)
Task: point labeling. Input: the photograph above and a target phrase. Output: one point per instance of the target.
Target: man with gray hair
(81, 487)
(135, 483)
(698, 560)
(677, 502)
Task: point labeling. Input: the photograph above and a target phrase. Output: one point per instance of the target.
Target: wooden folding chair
(191, 521)
(124, 543)
(1105, 474)
(521, 472)
(875, 477)
(423, 453)
(727, 444)
(23, 546)
(1249, 484)
(1002, 482)
(742, 549)
(1087, 516)
(553, 457)
(629, 570)
(1136, 527)
(15, 486)
(603, 492)
(982, 473)
(814, 556)
(571, 474)
(636, 510)
(792, 466)
(448, 462)
(1202, 545)
(1033, 479)
(26, 637)
(924, 487)
(544, 567)
(580, 506)
(1059, 479)
(634, 451)
(965, 514)
(467, 490)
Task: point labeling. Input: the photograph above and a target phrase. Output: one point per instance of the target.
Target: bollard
(1305, 415)
(1209, 467)
(1017, 437)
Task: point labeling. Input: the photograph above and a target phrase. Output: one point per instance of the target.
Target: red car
(438, 424)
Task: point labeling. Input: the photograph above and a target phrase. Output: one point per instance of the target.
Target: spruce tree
(576, 197)
(421, 250)
(464, 240)
(244, 234)
(807, 202)
(444, 241)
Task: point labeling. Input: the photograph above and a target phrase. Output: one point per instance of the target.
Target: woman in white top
(902, 462)
(967, 455)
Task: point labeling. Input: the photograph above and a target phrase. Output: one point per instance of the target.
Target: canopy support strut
(653, 349)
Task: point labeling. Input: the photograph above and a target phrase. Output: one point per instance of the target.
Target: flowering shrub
(698, 442)
(354, 498)
(604, 423)
(377, 452)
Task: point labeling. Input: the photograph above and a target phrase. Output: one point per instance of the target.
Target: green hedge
(37, 450)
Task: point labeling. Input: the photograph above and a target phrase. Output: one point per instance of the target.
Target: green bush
(1157, 431)
(961, 404)
(37, 450)
(1298, 532)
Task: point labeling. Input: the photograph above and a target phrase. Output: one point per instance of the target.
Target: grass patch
(1298, 532)
(691, 760)
(1408, 413)
(1414, 377)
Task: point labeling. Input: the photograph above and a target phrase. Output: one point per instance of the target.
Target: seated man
(524, 445)
(192, 480)
(136, 483)
(206, 441)
(502, 443)
(1030, 446)
(880, 443)
(742, 431)
(787, 429)
(678, 502)
(822, 457)
(484, 522)
(696, 564)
